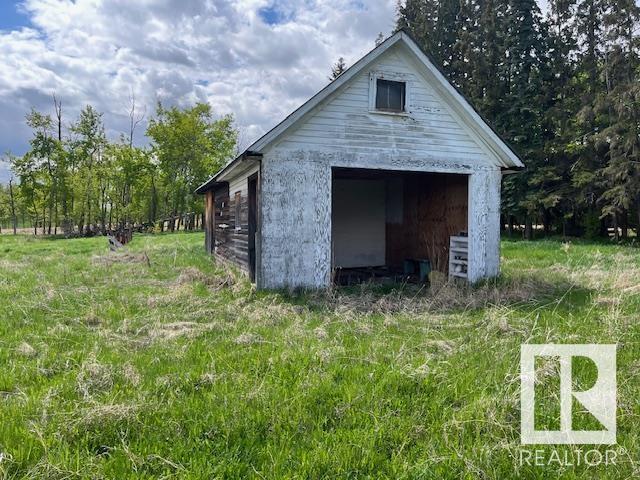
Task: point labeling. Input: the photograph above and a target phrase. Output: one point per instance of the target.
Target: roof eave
(218, 178)
(512, 170)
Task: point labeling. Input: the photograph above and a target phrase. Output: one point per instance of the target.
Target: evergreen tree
(520, 118)
(338, 69)
(559, 101)
(620, 177)
(563, 90)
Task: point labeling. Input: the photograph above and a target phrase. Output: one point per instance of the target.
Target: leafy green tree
(4, 206)
(40, 167)
(87, 148)
(189, 144)
(128, 180)
(31, 189)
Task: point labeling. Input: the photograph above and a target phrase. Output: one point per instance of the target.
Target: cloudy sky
(256, 59)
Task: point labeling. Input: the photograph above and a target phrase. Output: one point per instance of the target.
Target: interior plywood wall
(434, 207)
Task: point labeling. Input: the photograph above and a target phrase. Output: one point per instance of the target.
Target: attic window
(390, 95)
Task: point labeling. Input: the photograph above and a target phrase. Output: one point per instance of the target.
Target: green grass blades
(154, 362)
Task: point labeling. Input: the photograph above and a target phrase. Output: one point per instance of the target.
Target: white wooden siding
(344, 123)
(240, 183)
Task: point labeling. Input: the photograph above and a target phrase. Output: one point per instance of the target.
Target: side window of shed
(238, 210)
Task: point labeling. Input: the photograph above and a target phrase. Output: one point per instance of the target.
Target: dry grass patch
(225, 279)
(208, 379)
(94, 378)
(499, 321)
(320, 333)
(91, 319)
(443, 347)
(174, 330)
(627, 280)
(248, 338)
(131, 374)
(449, 297)
(26, 350)
(48, 290)
(121, 257)
(12, 266)
(175, 293)
(417, 373)
(618, 272)
(269, 311)
(100, 415)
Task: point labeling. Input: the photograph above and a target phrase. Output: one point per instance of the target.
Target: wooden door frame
(210, 221)
(253, 221)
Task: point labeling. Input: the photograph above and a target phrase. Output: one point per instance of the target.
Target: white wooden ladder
(458, 257)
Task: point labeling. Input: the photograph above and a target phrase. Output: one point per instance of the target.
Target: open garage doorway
(394, 226)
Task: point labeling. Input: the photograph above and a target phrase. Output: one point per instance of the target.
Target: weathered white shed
(382, 166)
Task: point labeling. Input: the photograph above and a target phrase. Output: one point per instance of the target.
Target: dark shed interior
(388, 224)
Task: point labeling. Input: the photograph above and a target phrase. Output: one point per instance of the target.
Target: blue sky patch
(11, 16)
(273, 15)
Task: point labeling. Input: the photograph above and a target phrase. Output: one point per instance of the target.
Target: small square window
(390, 96)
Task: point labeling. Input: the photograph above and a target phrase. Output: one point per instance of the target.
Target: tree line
(74, 180)
(563, 88)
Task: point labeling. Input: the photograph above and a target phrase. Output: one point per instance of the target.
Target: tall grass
(156, 363)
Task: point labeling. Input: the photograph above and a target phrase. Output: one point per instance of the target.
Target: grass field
(156, 363)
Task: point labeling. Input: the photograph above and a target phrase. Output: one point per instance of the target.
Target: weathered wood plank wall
(229, 233)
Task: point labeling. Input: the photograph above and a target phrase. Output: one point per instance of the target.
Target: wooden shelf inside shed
(458, 257)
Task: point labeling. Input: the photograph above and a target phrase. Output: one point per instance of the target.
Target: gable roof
(507, 158)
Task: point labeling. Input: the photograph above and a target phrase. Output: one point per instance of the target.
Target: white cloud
(179, 52)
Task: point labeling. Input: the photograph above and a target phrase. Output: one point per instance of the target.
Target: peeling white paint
(296, 223)
(484, 224)
(296, 213)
